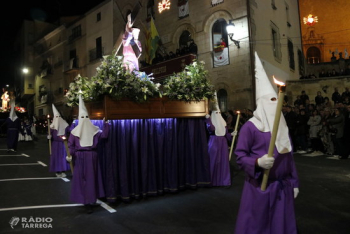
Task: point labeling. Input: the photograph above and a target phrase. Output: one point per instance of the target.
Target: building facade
(271, 28)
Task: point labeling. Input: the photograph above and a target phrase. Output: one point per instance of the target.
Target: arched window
(220, 43)
(222, 100)
(219, 31)
(313, 55)
(183, 41)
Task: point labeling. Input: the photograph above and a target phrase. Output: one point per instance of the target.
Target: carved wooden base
(154, 108)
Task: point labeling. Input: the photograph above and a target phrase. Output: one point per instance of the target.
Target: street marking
(25, 164)
(39, 207)
(43, 164)
(334, 158)
(39, 178)
(107, 207)
(18, 155)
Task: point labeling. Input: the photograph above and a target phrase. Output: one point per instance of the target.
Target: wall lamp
(230, 29)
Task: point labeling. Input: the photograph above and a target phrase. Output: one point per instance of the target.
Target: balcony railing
(166, 68)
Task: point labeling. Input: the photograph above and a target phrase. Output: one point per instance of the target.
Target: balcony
(166, 68)
(72, 65)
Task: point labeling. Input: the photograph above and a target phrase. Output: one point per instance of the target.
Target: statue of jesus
(5, 99)
(131, 46)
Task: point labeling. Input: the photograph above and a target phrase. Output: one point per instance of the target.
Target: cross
(134, 13)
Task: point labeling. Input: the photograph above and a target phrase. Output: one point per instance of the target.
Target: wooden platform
(154, 108)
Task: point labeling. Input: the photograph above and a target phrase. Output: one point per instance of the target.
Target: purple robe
(87, 183)
(218, 156)
(13, 128)
(58, 160)
(272, 210)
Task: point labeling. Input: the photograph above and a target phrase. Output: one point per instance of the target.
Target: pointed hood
(85, 130)
(264, 115)
(58, 123)
(216, 118)
(13, 115)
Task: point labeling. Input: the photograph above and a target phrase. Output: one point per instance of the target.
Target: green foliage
(113, 79)
(191, 84)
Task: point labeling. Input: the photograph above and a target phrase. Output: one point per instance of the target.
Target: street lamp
(230, 27)
(25, 70)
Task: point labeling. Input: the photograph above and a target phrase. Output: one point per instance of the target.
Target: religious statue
(131, 46)
(5, 99)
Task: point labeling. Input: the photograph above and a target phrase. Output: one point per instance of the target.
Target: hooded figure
(272, 210)
(13, 126)
(58, 129)
(87, 180)
(218, 147)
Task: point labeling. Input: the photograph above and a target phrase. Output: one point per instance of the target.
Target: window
(99, 47)
(276, 45)
(291, 55)
(287, 14)
(313, 55)
(183, 41)
(222, 100)
(150, 9)
(76, 32)
(98, 17)
(219, 43)
(273, 5)
(73, 63)
(301, 63)
(183, 8)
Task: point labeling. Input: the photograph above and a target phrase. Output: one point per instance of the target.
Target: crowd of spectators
(162, 55)
(330, 73)
(318, 128)
(322, 127)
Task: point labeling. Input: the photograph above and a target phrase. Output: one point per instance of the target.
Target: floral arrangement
(113, 79)
(17, 109)
(191, 84)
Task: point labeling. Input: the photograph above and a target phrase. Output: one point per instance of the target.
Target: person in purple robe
(218, 147)
(272, 210)
(13, 126)
(58, 129)
(83, 141)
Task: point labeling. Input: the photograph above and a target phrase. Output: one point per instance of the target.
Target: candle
(67, 150)
(281, 93)
(234, 137)
(48, 132)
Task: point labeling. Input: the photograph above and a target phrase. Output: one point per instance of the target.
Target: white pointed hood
(217, 120)
(13, 115)
(58, 123)
(85, 129)
(264, 115)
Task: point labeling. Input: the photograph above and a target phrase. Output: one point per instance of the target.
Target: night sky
(12, 18)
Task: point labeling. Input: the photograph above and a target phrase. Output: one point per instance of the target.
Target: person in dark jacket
(336, 96)
(291, 118)
(347, 130)
(337, 122)
(301, 131)
(319, 99)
